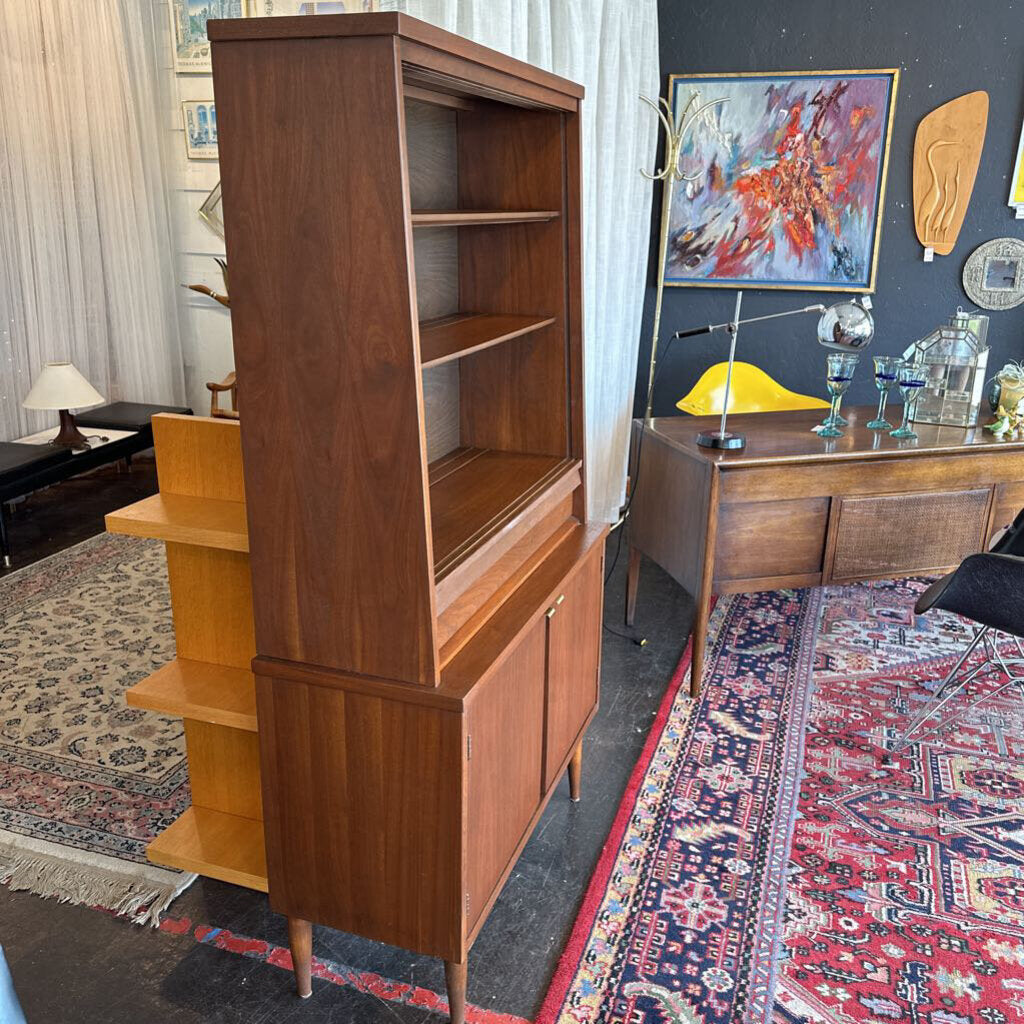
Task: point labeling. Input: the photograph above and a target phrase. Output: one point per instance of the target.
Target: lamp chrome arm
(731, 325)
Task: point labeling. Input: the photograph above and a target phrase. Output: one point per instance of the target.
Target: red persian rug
(772, 862)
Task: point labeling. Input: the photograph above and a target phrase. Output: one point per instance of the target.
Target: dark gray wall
(944, 48)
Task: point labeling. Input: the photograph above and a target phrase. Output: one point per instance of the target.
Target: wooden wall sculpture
(947, 152)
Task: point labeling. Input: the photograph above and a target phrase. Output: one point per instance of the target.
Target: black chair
(988, 589)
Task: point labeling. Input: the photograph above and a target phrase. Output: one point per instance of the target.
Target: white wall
(205, 324)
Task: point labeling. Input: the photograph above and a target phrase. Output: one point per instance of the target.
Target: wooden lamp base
(69, 436)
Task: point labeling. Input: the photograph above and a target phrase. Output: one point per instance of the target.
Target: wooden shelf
(199, 690)
(205, 522)
(477, 495)
(452, 337)
(214, 844)
(471, 218)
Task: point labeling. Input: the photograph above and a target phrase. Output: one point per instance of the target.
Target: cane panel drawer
(890, 535)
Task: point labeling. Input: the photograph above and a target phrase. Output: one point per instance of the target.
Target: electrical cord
(639, 452)
(620, 525)
(640, 641)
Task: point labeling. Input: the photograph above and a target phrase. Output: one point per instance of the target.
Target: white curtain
(611, 48)
(86, 260)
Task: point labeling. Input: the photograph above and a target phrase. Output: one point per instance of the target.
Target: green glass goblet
(911, 380)
(840, 374)
(834, 419)
(886, 375)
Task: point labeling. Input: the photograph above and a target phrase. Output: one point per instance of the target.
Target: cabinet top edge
(384, 23)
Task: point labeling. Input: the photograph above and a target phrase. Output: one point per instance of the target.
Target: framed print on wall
(1016, 200)
(784, 179)
(270, 8)
(200, 119)
(189, 45)
(212, 212)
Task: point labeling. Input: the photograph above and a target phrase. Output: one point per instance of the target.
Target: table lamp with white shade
(60, 386)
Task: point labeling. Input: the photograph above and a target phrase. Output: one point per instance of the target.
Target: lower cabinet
(573, 662)
(396, 812)
(504, 752)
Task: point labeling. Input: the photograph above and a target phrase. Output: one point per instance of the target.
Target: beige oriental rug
(85, 780)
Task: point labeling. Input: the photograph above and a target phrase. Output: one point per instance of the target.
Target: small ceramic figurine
(1008, 424)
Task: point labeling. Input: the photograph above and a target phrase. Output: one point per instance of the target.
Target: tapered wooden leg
(632, 580)
(575, 767)
(300, 938)
(700, 632)
(455, 978)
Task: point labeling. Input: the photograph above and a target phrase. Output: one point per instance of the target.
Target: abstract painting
(784, 179)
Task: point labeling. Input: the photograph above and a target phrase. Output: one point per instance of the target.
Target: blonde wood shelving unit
(200, 514)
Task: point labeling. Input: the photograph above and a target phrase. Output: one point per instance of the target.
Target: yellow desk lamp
(846, 326)
(752, 390)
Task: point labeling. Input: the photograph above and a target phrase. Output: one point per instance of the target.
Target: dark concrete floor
(75, 964)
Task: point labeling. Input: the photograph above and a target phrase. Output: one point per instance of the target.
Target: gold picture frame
(713, 124)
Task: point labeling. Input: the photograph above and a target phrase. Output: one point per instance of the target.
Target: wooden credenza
(793, 509)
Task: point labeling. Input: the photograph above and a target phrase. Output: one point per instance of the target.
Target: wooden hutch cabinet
(402, 211)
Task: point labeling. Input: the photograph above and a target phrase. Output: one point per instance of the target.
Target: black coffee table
(27, 467)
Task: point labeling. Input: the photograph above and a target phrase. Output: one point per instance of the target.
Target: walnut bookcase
(403, 229)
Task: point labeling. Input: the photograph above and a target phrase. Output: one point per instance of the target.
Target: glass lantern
(954, 357)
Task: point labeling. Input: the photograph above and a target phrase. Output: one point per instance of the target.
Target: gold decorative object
(947, 152)
(669, 175)
(223, 299)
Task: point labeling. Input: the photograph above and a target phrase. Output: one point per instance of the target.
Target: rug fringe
(142, 893)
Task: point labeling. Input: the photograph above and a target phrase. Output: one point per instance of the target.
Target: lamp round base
(718, 439)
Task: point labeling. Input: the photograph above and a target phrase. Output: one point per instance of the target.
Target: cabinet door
(574, 655)
(505, 747)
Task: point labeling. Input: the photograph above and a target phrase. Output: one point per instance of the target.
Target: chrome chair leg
(931, 709)
(994, 655)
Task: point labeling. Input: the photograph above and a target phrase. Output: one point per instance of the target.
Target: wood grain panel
(473, 605)
(573, 227)
(668, 514)
(363, 806)
(1007, 501)
(574, 645)
(504, 766)
(468, 506)
(870, 476)
(515, 520)
(206, 522)
(199, 690)
(514, 396)
(211, 605)
(524, 607)
(786, 439)
(216, 845)
(436, 254)
(470, 218)
(198, 456)
(472, 60)
(433, 182)
(441, 409)
(454, 337)
(433, 156)
(223, 769)
(325, 353)
(796, 530)
(905, 533)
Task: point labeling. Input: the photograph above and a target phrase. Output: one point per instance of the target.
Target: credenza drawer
(889, 535)
(761, 539)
